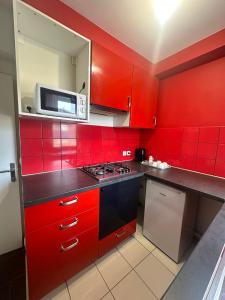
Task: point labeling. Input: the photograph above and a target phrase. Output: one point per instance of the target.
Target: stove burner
(107, 171)
(100, 172)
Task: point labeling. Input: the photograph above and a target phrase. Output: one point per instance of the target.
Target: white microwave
(61, 103)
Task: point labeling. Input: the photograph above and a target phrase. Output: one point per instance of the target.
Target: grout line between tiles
(102, 278)
(68, 290)
(145, 283)
(143, 245)
(137, 263)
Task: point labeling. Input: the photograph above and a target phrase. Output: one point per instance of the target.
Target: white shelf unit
(49, 53)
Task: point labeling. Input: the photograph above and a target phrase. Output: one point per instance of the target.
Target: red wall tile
(206, 150)
(52, 147)
(52, 162)
(32, 164)
(70, 145)
(222, 135)
(220, 168)
(68, 130)
(31, 147)
(209, 134)
(30, 129)
(51, 129)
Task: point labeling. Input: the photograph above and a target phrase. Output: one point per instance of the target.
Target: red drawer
(47, 213)
(78, 252)
(116, 237)
(54, 255)
(77, 224)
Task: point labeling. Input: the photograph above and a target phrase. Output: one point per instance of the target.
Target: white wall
(82, 68)
(40, 64)
(10, 213)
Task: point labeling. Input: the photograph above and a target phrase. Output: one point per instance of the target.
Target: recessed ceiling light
(164, 9)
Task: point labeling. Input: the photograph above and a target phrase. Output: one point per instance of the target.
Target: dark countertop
(196, 182)
(48, 186)
(192, 280)
(45, 187)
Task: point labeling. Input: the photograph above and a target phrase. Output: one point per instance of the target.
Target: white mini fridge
(169, 218)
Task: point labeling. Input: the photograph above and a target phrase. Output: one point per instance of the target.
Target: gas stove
(108, 170)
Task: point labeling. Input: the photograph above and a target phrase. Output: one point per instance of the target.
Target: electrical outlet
(124, 153)
(128, 153)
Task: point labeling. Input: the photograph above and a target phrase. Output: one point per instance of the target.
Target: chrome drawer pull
(118, 235)
(61, 203)
(62, 227)
(64, 249)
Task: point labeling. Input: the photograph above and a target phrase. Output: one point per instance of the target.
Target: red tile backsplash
(53, 145)
(199, 149)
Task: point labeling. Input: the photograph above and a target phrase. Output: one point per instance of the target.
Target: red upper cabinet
(144, 99)
(111, 79)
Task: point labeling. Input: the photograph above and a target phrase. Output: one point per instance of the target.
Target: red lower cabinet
(57, 251)
(116, 237)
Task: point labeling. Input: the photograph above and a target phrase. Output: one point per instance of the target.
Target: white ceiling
(134, 23)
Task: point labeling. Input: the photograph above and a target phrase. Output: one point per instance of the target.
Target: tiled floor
(136, 270)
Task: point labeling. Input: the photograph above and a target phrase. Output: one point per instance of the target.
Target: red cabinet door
(144, 99)
(43, 252)
(111, 79)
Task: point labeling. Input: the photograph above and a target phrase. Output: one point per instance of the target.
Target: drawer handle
(118, 235)
(64, 249)
(74, 223)
(62, 203)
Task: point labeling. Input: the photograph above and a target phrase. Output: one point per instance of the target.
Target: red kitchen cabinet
(112, 240)
(144, 99)
(59, 244)
(47, 213)
(111, 79)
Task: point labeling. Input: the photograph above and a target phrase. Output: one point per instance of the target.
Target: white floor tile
(133, 251)
(108, 297)
(145, 242)
(132, 288)
(113, 267)
(169, 263)
(60, 293)
(87, 285)
(155, 275)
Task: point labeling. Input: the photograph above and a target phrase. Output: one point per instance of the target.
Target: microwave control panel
(81, 107)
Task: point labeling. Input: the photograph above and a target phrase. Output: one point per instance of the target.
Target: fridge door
(164, 210)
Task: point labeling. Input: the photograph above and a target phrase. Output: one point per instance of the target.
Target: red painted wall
(196, 54)
(194, 98)
(53, 145)
(191, 120)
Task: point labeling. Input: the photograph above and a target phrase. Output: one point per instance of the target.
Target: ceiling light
(164, 9)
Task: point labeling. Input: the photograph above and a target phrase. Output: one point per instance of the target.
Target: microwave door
(58, 103)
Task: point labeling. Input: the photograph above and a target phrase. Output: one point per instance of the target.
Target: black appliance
(118, 205)
(140, 154)
(108, 171)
